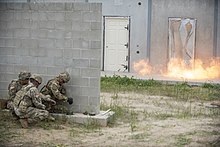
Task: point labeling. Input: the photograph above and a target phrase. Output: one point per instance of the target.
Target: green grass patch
(180, 90)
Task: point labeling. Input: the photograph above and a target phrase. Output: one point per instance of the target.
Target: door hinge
(126, 59)
(126, 45)
(127, 27)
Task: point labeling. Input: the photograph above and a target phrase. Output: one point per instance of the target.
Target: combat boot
(24, 123)
(51, 118)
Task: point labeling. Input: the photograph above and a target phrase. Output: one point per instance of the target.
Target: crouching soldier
(55, 88)
(28, 103)
(15, 86)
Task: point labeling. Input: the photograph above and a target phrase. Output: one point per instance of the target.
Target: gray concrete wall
(202, 10)
(138, 16)
(48, 38)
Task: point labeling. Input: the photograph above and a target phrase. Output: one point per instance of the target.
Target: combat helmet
(36, 78)
(24, 75)
(64, 76)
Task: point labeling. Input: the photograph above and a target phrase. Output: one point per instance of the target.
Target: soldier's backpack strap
(47, 87)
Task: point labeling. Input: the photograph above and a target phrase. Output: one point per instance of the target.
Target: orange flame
(177, 68)
(142, 67)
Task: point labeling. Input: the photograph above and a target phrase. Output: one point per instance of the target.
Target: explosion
(142, 67)
(177, 68)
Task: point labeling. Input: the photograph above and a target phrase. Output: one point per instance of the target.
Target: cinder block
(94, 100)
(96, 7)
(35, 15)
(7, 50)
(67, 61)
(92, 17)
(94, 35)
(82, 100)
(31, 44)
(74, 16)
(59, 43)
(67, 35)
(6, 77)
(90, 91)
(7, 16)
(95, 82)
(26, 24)
(65, 25)
(22, 52)
(46, 43)
(73, 91)
(38, 70)
(22, 33)
(3, 85)
(80, 63)
(45, 61)
(55, 6)
(68, 43)
(96, 25)
(56, 16)
(19, 68)
(91, 54)
(95, 63)
(76, 72)
(76, 81)
(54, 70)
(36, 33)
(2, 24)
(96, 44)
(9, 42)
(82, 26)
(38, 52)
(55, 34)
(29, 60)
(2, 42)
(15, 6)
(47, 24)
(6, 68)
(90, 72)
(54, 53)
(78, 35)
(3, 6)
(4, 93)
(81, 6)
(18, 15)
(58, 61)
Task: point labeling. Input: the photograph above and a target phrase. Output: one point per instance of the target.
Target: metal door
(116, 44)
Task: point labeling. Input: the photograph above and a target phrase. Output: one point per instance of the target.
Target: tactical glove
(70, 100)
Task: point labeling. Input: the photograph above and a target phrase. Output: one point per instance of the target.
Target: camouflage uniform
(16, 85)
(30, 106)
(56, 90)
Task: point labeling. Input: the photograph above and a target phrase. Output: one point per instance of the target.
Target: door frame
(104, 32)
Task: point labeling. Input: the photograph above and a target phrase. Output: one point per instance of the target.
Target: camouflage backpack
(20, 95)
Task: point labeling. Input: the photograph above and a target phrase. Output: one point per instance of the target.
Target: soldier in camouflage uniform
(28, 106)
(56, 90)
(15, 86)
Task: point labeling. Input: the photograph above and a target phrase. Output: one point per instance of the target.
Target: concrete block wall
(49, 38)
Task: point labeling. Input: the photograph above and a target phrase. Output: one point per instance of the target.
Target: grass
(180, 91)
(182, 140)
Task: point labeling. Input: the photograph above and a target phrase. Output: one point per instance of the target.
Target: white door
(116, 46)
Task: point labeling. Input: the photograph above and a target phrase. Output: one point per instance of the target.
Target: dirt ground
(144, 121)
